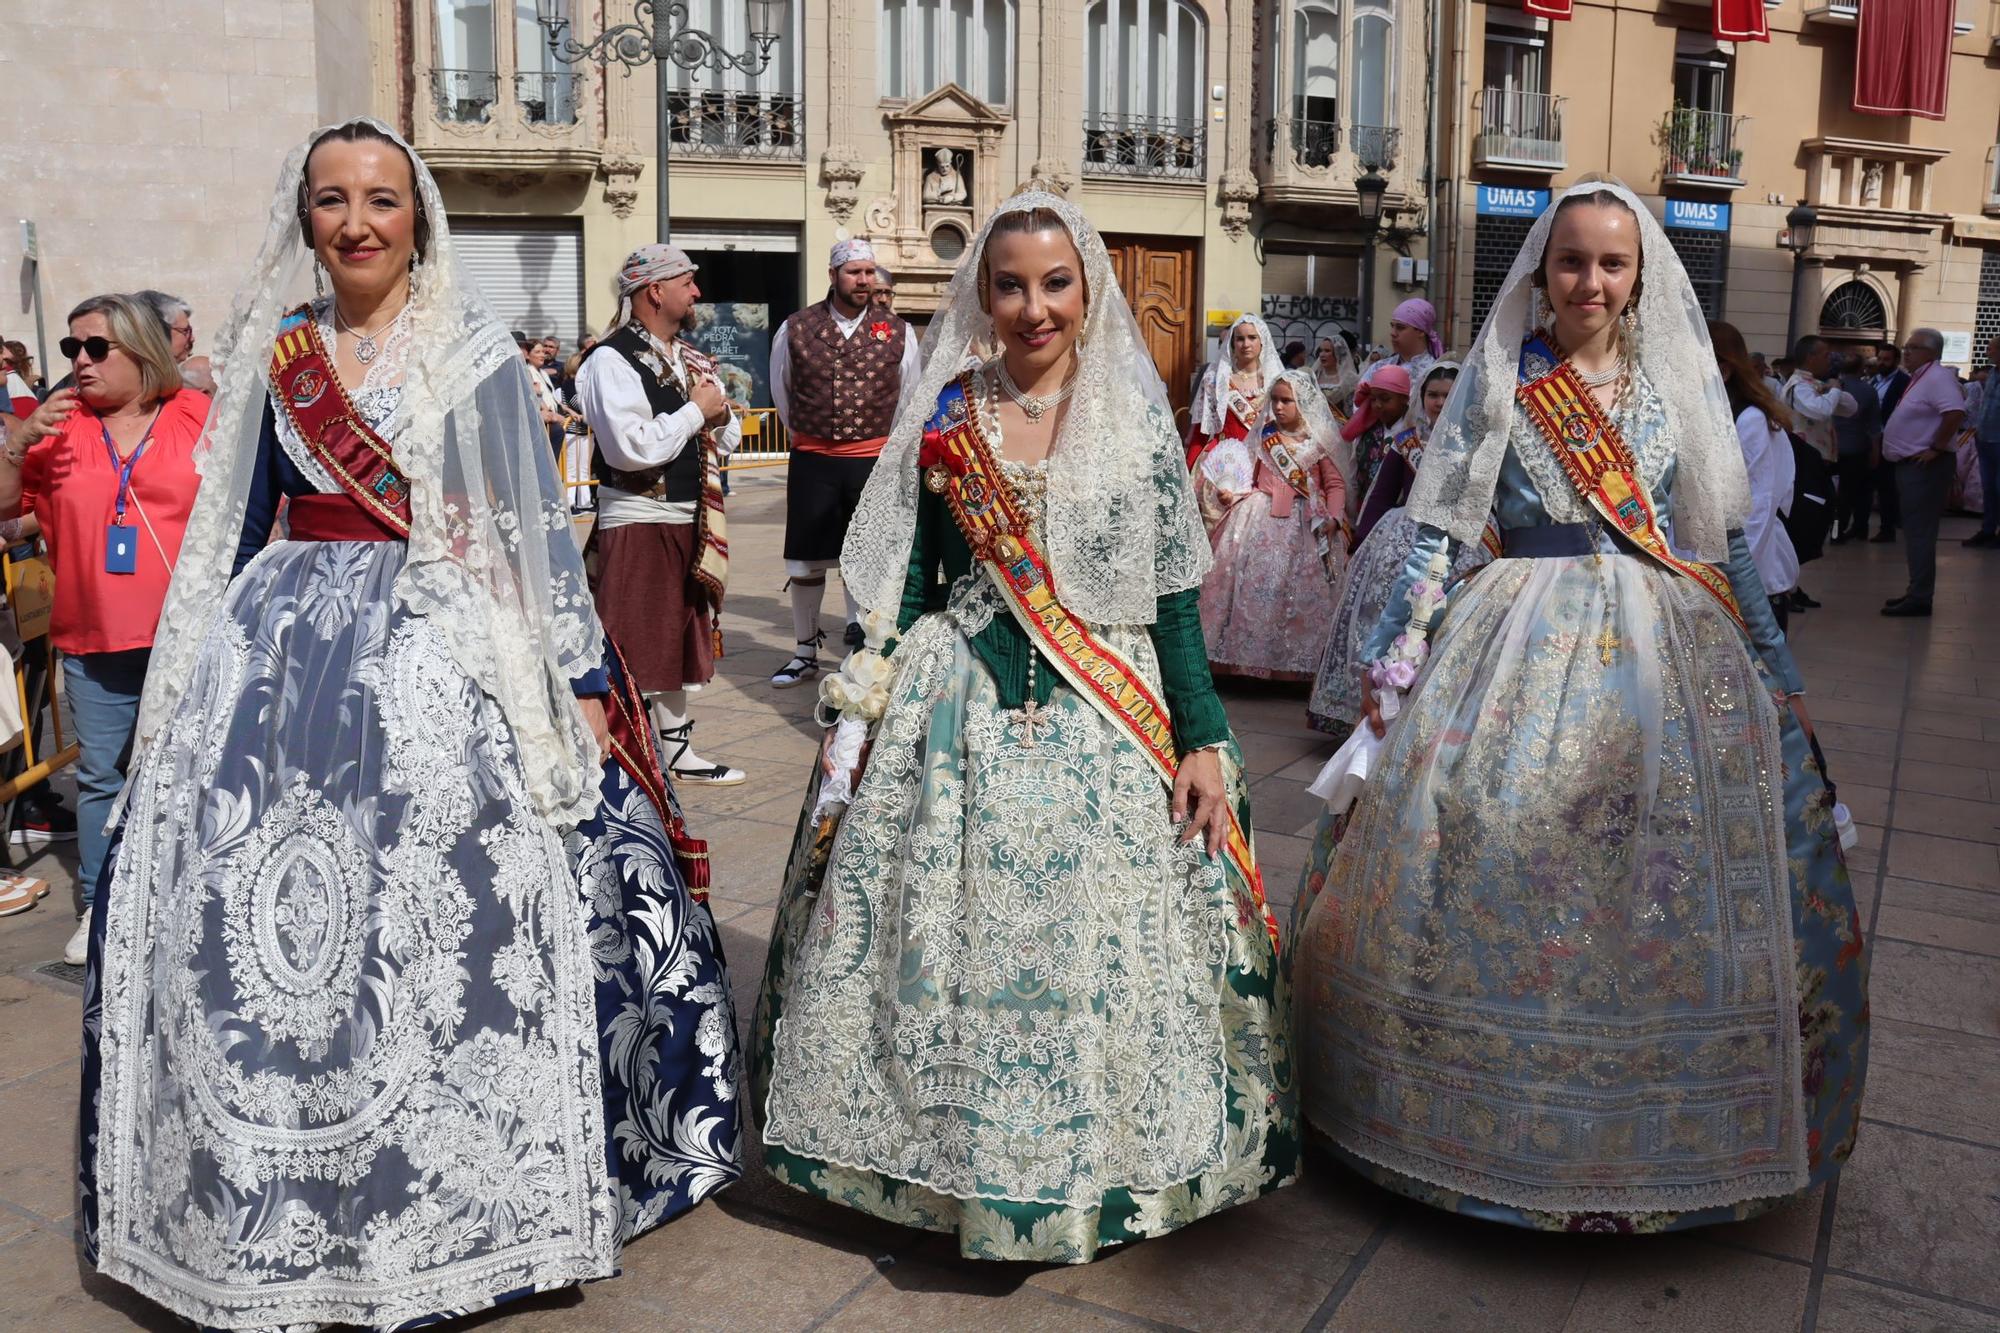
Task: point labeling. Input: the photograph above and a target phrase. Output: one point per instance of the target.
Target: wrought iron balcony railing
(548, 98)
(1375, 146)
(465, 96)
(1833, 11)
(1314, 143)
(1145, 146)
(1519, 130)
(1702, 147)
(767, 126)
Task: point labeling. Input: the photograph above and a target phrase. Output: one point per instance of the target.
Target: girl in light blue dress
(1586, 956)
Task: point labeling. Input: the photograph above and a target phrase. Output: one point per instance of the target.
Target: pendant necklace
(367, 346)
(1034, 406)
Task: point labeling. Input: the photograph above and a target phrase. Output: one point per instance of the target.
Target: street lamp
(1800, 224)
(1368, 191)
(658, 35)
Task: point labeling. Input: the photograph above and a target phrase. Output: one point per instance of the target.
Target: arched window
(1372, 82)
(727, 113)
(1853, 307)
(1144, 66)
(1315, 106)
(929, 43)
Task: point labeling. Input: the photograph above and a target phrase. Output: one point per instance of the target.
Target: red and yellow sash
(960, 466)
(310, 393)
(1599, 464)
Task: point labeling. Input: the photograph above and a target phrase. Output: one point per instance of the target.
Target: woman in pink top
(107, 470)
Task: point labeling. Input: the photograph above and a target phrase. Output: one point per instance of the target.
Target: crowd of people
(404, 997)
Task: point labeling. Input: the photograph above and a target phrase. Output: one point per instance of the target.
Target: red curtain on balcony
(1741, 21)
(1902, 58)
(1550, 9)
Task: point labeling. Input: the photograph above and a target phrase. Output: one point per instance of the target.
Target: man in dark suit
(1890, 381)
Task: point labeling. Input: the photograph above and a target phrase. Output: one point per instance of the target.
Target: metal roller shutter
(531, 272)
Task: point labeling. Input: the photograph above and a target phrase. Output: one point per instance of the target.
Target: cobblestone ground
(1909, 712)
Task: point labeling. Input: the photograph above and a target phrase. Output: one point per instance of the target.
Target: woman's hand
(46, 420)
(1200, 799)
(1371, 712)
(600, 725)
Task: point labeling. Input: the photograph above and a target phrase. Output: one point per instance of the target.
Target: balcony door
(1157, 275)
(1517, 82)
(1144, 84)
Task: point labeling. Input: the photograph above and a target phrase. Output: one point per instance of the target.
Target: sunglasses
(97, 347)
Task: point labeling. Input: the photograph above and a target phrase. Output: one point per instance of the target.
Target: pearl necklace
(1597, 379)
(1034, 406)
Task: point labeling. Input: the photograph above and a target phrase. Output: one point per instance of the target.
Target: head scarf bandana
(847, 251)
(1389, 378)
(648, 264)
(1421, 314)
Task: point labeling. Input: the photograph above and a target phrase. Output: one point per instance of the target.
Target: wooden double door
(1158, 276)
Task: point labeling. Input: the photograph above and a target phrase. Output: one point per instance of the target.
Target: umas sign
(1510, 201)
(1697, 215)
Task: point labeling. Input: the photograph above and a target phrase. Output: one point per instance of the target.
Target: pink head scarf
(1421, 314)
(1389, 378)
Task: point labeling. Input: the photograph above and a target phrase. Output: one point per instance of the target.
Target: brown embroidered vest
(845, 389)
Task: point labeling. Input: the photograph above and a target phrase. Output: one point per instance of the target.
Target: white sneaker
(77, 952)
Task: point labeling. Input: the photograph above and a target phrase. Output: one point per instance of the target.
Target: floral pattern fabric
(370, 1041)
(1001, 999)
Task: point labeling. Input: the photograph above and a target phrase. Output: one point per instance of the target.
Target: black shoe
(1981, 539)
(43, 820)
(1802, 601)
(1897, 600)
(1885, 535)
(1906, 607)
(854, 636)
(1840, 538)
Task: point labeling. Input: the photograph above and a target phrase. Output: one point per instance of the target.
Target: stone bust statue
(944, 183)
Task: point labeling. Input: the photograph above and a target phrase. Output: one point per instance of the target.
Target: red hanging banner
(1550, 9)
(1902, 58)
(1741, 21)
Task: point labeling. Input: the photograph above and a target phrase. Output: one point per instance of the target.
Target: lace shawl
(491, 559)
(1211, 405)
(1454, 489)
(1122, 528)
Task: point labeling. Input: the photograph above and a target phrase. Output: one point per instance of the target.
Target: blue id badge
(121, 549)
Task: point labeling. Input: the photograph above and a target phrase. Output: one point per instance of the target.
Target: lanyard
(123, 466)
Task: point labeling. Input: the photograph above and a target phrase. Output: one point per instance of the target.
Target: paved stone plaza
(1909, 713)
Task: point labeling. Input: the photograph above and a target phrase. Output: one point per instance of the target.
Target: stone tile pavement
(1906, 1240)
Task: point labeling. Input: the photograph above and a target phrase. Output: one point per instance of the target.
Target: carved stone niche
(946, 165)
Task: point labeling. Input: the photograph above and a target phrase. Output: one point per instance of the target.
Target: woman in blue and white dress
(400, 1004)
(1587, 956)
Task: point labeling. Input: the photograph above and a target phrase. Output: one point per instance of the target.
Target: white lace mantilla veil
(1120, 523)
(1212, 398)
(1321, 428)
(1454, 487)
(1413, 415)
(491, 560)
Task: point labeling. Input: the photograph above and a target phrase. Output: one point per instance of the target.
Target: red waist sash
(335, 518)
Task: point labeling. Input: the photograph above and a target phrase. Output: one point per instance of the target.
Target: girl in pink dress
(1276, 510)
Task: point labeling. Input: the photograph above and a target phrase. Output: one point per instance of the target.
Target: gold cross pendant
(1030, 716)
(1607, 644)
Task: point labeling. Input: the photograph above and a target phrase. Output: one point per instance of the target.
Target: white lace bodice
(377, 397)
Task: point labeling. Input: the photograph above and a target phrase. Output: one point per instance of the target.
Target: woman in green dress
(1022, 985)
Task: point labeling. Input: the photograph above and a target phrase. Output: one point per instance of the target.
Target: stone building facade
(1722, 140)
(144, 141)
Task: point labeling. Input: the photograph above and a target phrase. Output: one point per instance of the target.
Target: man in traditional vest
(660, 555)
(837, 372)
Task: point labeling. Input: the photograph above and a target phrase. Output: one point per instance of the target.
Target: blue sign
(1509, 201)
(1696, 215)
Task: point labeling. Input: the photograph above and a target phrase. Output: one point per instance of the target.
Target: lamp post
(1800, 224)
(1368, 191)
(659, 35)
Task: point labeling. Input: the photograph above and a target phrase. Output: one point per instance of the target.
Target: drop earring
(1545, 314)
(319, 279)
(413, 275)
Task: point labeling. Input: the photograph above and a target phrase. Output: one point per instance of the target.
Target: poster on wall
(738, 335)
